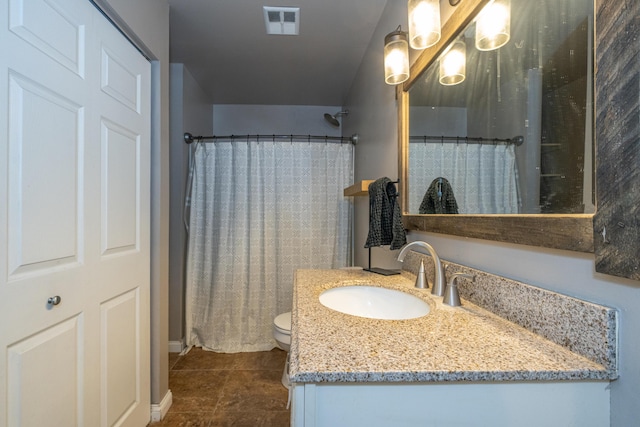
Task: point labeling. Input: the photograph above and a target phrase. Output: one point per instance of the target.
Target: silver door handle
(54, 300)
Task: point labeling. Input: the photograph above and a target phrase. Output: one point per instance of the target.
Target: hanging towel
(439, 198)
(385, 224)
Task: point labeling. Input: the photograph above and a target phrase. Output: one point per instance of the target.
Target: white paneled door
(74, 219)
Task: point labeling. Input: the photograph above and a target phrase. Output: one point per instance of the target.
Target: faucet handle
(421, 278)
(451, 295)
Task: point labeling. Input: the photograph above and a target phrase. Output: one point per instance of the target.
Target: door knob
(54, 300)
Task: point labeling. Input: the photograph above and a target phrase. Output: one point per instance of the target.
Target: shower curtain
(259, 211)
(483, 176)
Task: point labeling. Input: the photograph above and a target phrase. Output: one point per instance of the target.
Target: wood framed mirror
(569, 231)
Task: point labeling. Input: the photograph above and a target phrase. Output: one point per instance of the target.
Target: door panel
(121, 197)
(121, 392)
(74, 219)
(125, 209)
(62, 37)
(58, 383)
(37, 173)
(121, 81)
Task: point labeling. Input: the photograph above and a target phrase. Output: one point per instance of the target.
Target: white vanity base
(508, 404)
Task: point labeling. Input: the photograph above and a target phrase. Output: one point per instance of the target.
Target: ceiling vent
(282, 20)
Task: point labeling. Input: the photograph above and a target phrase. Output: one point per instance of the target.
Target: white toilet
(282, 330)
(282, 335)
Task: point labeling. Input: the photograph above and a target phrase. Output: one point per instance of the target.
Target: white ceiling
(224, 45)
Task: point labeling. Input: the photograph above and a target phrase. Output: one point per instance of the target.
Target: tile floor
(219, 390)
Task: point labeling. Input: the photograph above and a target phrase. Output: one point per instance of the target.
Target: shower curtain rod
(353, 139)
(517, 140)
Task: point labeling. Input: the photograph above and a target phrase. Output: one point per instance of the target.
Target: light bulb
(453, 64)
(493, 26)
(424, 23)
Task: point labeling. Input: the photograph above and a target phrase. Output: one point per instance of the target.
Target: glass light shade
(453, 64)
(493, 26)
(424, 23)
(396, 58)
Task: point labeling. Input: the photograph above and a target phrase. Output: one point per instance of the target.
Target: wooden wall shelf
(358, 189)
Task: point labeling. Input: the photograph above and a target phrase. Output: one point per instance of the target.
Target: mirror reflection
(502, 122)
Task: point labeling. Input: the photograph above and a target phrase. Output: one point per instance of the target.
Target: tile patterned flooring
(223, 390)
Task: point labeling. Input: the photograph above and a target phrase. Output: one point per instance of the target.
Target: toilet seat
(282, 323)
(282, 330)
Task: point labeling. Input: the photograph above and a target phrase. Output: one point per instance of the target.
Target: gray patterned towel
(439, 198)
(385, 222)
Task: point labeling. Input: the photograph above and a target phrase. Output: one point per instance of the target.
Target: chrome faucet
(438, 280)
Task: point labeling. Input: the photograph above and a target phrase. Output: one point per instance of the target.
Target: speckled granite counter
(465, 343)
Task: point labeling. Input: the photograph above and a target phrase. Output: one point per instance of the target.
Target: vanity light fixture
(453, 64)
(424, 23)
(493, 26)
(396, 57)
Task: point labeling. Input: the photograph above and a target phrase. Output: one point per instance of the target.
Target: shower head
(333, 119)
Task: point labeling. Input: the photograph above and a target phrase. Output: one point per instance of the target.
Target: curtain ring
(291, 139)
(442, 140)
(425, 139)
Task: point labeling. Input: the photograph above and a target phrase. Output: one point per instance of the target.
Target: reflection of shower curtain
(483, 176)
(260, 210)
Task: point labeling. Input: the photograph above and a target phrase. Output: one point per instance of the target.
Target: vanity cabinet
(507, 404)
(456, 366)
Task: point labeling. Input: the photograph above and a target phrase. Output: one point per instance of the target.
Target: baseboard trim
(159, 410)
(176, 346)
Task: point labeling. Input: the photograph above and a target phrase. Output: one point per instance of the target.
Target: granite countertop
(466, 343)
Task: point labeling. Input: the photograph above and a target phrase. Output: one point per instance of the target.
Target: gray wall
(372, 107)
(274, 119)
(147, 23)
(374, 116)
(190, 112)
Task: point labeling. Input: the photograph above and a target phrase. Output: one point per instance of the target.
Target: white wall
(147, 23)
(190, 112)
(374, 116)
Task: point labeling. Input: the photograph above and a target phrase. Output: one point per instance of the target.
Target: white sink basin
(374, 302)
